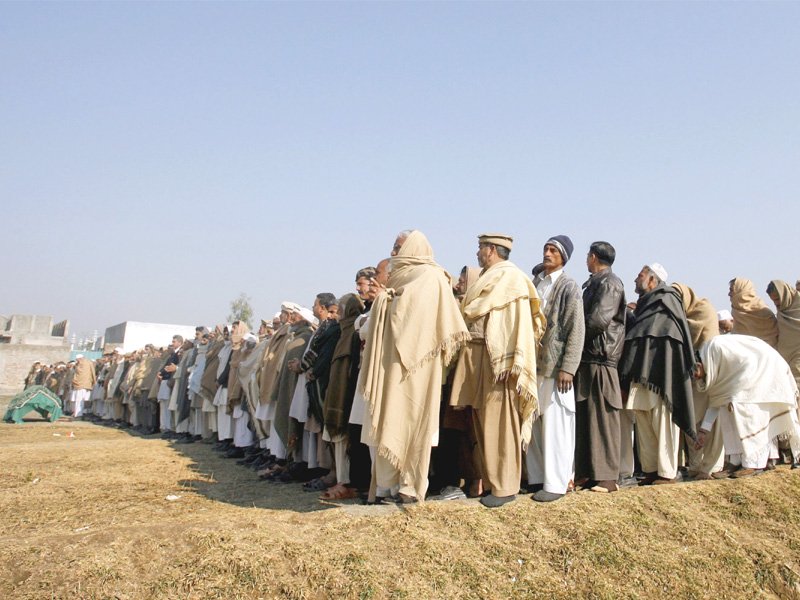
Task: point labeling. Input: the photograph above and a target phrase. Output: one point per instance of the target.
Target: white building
(133, 335)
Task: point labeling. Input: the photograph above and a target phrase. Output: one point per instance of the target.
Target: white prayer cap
(117, 350)
(290, 306)
(79, 356)
(724, 315)
(250, 338)
(658, 269)
(277, 315)
(307, 314)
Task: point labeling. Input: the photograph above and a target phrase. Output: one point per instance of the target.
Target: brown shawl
(337, 403)
(273, 361)
(700, 314)
(751, 316)
(208, 383)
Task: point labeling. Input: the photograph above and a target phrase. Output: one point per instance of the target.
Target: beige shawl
(751, 316)
(514, 327)
(700, 314)
(788, 324)
(416, 320)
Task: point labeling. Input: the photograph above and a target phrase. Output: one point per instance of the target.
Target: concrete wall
(16, 361)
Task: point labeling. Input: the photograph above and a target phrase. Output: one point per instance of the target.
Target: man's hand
(171, 368)
(701, 439)
(563, 382)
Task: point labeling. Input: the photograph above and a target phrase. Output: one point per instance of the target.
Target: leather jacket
(604, 312)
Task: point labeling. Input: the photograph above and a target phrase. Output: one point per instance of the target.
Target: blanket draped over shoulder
(415, 322)
(514, 326)
(751, 315)
(659, 355)
(789, 324)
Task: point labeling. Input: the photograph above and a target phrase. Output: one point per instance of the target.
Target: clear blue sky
(156, 159)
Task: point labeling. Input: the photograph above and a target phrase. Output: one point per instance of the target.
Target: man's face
(730, 290)
(198, 335)
(775, 298)
(382, 272)
(333, 313)
(483, 254)
(551, 258)
(362, 287)
(398, 243)
(643, 281)
(726, 326)
(461, 286)
(176, 343)
(319, 311)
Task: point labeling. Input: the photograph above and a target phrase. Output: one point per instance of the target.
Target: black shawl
(658, 353)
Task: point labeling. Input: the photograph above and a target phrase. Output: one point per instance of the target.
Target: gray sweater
(562, 343)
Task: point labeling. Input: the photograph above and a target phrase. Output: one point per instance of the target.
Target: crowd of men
(419, 385)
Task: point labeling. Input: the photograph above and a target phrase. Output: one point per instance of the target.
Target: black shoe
(235, 453)
(492, 501)
(545, 496)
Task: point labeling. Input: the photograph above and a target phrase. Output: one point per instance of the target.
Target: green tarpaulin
(37, 398)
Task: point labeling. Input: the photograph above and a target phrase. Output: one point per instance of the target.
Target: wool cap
(564, 245)
(498, 239)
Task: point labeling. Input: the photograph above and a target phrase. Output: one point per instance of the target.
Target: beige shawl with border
(514, 327)
(417, 320)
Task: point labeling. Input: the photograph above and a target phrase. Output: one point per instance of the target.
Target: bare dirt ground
(88, 517)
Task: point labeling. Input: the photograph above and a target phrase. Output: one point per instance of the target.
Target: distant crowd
(419, 385)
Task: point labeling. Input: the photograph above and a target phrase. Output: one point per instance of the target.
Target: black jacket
(604, 313)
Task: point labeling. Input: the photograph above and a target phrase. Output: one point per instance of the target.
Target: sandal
(316, 485)
(339, 492)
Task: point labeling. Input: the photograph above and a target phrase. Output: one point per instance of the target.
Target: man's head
(363, 278)
(382, 272)
(649, 278)
(601, 256)
(322, 304)
(199, 331)
(797, 285)
(493, 248)
(557, 252)
(725, 319)
(772, 292)
(400, 240)
(177, 341)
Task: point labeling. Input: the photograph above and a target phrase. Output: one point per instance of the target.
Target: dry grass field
(88, 517)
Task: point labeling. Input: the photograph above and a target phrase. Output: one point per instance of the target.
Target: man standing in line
(551, 454)
(415, 331)
(164, 390)
(496, 371)
(597, 454)
(82, 383)
(658, 361)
